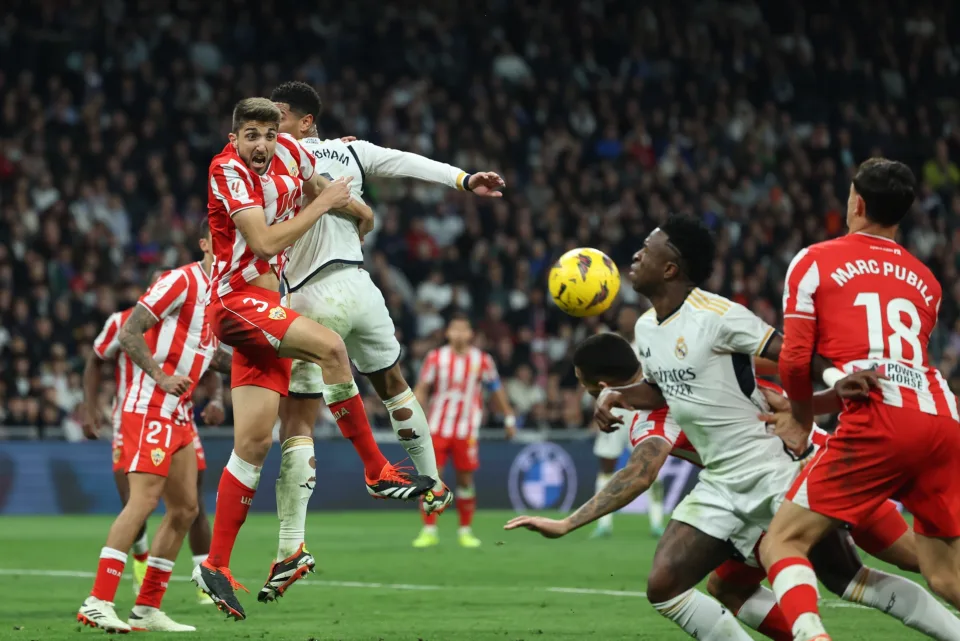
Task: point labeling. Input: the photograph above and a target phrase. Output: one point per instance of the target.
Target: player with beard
(256, 187)
(697, 351)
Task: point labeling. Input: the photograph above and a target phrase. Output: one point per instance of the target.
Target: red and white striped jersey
(457, 380)
(234, 188)
(184, 343)
(864, 302)
(107, 348)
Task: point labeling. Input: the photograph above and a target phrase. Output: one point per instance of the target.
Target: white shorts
(738, 517)
(610, 445)
(345, 300)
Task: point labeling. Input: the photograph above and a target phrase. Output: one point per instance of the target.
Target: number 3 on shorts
(261, 306)
(153, 433)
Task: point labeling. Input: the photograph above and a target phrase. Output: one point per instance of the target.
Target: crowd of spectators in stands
(602, 115)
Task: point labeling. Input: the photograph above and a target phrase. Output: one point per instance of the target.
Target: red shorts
(150, 441)
(880, 452)
(880, 529)
(119, 460)
(253, 322)
(198, 448)
(463, 451)
(739, 573)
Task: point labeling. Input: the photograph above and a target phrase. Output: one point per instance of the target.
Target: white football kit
(323, 277)
(701, 358)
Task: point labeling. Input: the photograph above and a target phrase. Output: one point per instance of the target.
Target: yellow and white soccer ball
(584, 282)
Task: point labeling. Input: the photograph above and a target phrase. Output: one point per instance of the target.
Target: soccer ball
(584, 282)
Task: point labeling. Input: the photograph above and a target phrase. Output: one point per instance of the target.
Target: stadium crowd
(602, 116)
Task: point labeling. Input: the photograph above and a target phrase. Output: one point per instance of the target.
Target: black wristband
(466, 182)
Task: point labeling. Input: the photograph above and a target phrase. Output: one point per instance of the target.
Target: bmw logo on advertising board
(542, 477)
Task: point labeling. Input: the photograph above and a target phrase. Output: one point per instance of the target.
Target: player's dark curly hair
(606, 357)
(302, 98)
(695, 243)
(887, 188)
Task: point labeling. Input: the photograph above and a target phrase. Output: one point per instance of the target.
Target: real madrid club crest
(157, 456)
(277, 313)
(681, 349)
(542, 476)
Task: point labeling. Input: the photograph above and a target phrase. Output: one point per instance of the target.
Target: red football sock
(466, 506)
(155, 582)
(234, 498)
(775, 626)
(141, 557)
(352, 421)
(109, 572)
(795, 584)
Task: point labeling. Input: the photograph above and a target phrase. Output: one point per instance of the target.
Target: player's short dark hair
(204, 228)
(459, 315)
(255, 110)
(606, 357)
(695, 243)
(887, 188)
(301, 97)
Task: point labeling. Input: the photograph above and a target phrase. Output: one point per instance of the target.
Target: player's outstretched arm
(634, 479)
(392, 163)
(222, 360)
(266, 241)
(92, 377)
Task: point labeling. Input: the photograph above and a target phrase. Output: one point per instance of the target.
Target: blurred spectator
(602, 116)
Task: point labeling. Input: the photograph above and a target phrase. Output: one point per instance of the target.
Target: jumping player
(158, 441)
(866, 304)
(254, 210)
(456, 376)
(325, 281)
(606, 360)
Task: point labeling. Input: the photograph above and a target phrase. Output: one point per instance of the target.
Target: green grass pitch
(373, 585)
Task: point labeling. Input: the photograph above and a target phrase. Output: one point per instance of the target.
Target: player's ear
(232, 137)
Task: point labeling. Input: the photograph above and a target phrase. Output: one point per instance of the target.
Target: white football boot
(145, 619)
(100, 614)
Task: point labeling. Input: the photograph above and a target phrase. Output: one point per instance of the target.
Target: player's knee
(663, 584)
(715, 586)
(333, 350)
(253, 447)
(183, 515)
(142, 503)
(944, 584)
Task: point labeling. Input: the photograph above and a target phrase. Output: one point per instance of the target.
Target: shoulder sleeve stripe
(766, 341)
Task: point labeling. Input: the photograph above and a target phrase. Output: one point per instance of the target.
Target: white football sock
(142, 545)
(197, 560)
(754, 610)
(420, 446)
(655, 504)
(605, 522)
(298, 476)
(247, 473)
(702, 617)
(903, 599)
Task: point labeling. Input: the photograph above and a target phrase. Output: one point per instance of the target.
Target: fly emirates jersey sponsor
(701, 358)
(334, 240)
(865, 302)
(647, 424)
(232, 188)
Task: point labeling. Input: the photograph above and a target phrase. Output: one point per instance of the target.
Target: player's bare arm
(92, 377)
(222, 360)
(506, 410)
(133, 343)
(211, 381)
(266, 241)
(627, 484)
(640, 396)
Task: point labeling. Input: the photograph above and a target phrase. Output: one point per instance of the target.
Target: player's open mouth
(258, 161)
